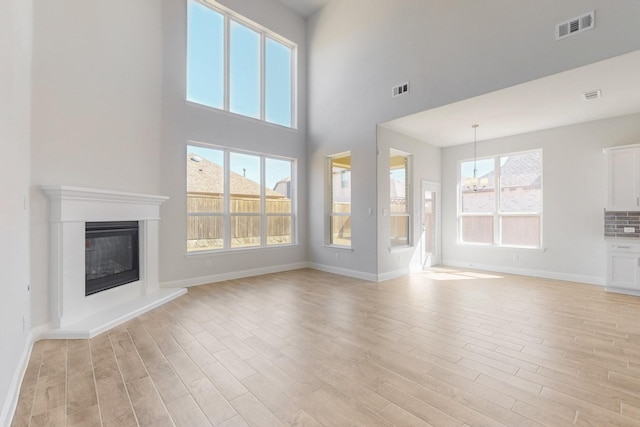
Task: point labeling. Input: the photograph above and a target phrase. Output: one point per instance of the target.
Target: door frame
(433, 187)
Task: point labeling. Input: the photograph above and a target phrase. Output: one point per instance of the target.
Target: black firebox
(111, 255)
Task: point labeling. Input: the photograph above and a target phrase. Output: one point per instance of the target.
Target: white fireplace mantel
(74, 315)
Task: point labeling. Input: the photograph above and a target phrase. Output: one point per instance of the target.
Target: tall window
(235, 65)
(238, 200)
(340, 200)
(508, 211)
(399, 198)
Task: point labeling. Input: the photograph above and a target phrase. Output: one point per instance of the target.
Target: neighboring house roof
(520, 170)
(204, 176)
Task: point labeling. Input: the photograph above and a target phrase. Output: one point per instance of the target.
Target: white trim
(338, 247)
(13, 393)
(434, 187)
(400, 249)
(11, 402)
(345, 272)
(328, 199)
(408, 197)
(203, 280)
(579, 278)
(623, 291)
(270, 248)
(606, 150)
(489, 245)
(78, 195)
(389, 275)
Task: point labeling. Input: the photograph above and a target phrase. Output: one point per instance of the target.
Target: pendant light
(475, 183)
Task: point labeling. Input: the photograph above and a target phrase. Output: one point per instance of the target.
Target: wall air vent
(400, 89)
(576, 25)
(592, 94)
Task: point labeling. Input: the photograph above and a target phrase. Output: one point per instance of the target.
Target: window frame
(497, 214)
(229, 15)
(330, 214)
(227, 214)
(408, 199)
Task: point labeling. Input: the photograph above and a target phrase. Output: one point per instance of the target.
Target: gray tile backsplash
(615, 222)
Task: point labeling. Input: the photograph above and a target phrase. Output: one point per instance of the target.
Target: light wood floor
(309, 348)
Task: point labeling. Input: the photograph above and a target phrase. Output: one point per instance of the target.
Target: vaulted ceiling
(549, 102)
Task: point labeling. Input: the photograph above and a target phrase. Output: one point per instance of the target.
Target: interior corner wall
(574, 196)
(184, 122)
(15, 100)
(360, 49)
(425, 166)
(96, 109)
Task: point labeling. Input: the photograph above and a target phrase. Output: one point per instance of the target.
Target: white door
(430, 239)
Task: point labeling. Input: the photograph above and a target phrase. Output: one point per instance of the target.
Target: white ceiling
(304, 8)
(539, 104)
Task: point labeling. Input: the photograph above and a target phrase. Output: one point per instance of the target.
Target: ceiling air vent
(400, 89)
(576, 25)
(592, 94)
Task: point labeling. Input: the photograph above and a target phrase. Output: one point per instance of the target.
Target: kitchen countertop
(622, 239)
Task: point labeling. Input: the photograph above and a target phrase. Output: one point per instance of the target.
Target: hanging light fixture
(475, 183)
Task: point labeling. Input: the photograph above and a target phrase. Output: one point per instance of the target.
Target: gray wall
(183, 122)
(449, 51)
(15, 100)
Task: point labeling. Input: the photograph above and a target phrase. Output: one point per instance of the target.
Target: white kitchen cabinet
(623, 169)
(623, 267)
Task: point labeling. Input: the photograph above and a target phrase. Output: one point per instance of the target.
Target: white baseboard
(393, 274)
(623, 291)
(10, 404)
(345, 272)
(579, 278)
(203, 280)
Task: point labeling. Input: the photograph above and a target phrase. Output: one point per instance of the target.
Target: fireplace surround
(74, 314)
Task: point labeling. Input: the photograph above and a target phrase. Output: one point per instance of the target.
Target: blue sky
(205, 67)
(483, 166)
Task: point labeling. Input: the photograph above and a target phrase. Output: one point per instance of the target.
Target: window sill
(338, 247)
(405, 248)
(195, 254)
(520, 248)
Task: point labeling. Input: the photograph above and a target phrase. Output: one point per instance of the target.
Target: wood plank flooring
(306, 348)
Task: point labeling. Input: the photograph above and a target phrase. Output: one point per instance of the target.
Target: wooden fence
(244, 228)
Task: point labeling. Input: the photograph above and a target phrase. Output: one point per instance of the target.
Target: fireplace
(111, 255)
(103, 259)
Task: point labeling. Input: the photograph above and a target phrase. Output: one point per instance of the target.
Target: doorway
(430, 216)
